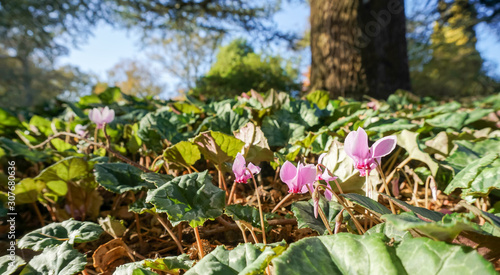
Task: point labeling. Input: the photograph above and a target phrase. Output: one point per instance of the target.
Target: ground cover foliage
(153, 191)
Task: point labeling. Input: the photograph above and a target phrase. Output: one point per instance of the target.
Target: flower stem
(393, 210)
(341, 201)
(290, 195)
(260, 208)
(201, 253)
(320, 210)
(171, 233)
(231, 194)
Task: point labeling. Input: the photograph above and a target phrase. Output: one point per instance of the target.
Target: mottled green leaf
(190, 197)
(9, 264)
(120, 177)
(369, 254)
(57, 233)
(59, 260)
(244, 259)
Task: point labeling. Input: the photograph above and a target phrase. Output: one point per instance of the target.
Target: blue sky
(108, 46)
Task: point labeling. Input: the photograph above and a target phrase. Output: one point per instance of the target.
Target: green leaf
(172, 264)
(190, 197)
(423, 213)
(167, 264)
(468, 151)
(247, 213)
(320, 98)
(8, 265)
(140, 206)
(15, 149)
(60, 260)
(445, 230)
(112, 226)
(8, 120)
(244, 259)
(408, 140)
(390, 231)
(304, 212)
(218, 147)
(367, 203)
(345, 253)
(391, 125)
(156, 178)
(61, 146)
(493, 225)
(156, 127)
(183, 153)
(57, 233)
(256, 146)
(65, 170)
(28, 190)
(110, 95)
(58, 175)
(227, 120)
(441, 258)
(478, 178)
(120, 177)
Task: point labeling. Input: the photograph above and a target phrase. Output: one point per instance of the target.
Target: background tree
(358, 47)
(185, 55)
(239, 69)
(444, 59)
(135, 78)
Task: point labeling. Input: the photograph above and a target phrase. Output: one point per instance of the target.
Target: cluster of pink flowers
(301, 178)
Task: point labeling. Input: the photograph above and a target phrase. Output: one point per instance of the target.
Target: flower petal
(356, 144)
(306, 175)
(383, 146)
(288, 172)
(110, 116)
(253, 168)
(320, 159)
(239, 166)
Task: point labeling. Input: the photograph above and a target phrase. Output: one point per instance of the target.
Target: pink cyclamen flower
(298, 178)
(240, 170)
(80, 130)
(365, 158)
(324, 175)
(101, 115)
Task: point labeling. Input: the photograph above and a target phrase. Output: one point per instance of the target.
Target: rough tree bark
(358, 47)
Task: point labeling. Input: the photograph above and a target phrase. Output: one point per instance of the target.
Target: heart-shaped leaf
(408, 140)
(60, 260)
(190, 197)
(183, 153)
(478, 178)
(244, 259)
(120, 177)
(9, 264)
(218, 147)
(15, 149)
(256, 146)
(57, 233)
(345, 253)
(444, 230)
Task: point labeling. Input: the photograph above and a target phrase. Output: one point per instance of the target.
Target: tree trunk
(358, 47)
